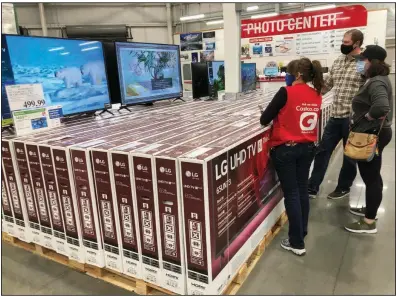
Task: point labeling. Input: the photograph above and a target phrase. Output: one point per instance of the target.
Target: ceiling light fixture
(214, 22)
(266, 15)
(192, 17)
(252, 8)
(321, 7)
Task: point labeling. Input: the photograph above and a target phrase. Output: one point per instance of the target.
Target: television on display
(112, 71)
(148, 72)
(248, 76)
(200, 79)
(216, 75)
(71, 72)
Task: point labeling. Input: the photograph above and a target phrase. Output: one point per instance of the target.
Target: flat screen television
(216, 75)
(72, 72)
(200, 80)
(248, 76)
(112, 71)
(148, 72)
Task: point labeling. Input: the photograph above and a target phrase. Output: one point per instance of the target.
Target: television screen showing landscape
(148, 72)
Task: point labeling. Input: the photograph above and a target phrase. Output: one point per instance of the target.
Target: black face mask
(346, 49)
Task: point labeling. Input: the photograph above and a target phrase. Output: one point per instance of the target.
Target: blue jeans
(335, 130)
(292, 165)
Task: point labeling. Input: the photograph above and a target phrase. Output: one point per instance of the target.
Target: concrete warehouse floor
(337, 262)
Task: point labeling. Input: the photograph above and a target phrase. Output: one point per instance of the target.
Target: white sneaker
(285, 243)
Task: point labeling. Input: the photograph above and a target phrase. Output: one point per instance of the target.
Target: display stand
(103, 111)
(124, 107)
(9, 128)
(179, 98)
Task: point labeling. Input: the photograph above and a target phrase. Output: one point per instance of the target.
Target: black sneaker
(285, 243)
(312, 194)
(338, 194)
(359, 211)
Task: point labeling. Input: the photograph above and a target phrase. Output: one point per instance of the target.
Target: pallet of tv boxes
(178, 196)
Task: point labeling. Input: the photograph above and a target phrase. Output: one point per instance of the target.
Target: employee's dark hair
(356, 35)
(377, 67)
(310, 71)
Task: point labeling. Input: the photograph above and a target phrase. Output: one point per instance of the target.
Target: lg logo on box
(4, 149)
(308, 121)
(120, 164)
(44, 155)
(141, 167)
(78, 160)
(32, 153)
(19, 151)
(165, 170)
(59, 159)
(191, 174)
(100, 162)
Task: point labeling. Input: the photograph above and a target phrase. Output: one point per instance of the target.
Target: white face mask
(360, 67)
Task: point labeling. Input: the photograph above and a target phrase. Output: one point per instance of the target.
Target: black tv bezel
(104, 62)
(192, 78)
(255, 68)
(148, 101)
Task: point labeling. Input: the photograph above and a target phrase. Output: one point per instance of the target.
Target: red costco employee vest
(298, 120)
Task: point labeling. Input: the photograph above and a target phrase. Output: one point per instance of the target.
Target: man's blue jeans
(335, 130)
(292, 165)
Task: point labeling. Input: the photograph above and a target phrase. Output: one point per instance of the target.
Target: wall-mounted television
(148, 72)
(71, 72)
(248, 76)
(216, 75)
(200, 80)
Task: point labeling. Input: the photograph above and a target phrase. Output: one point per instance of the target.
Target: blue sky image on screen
(148, 72)
(72, 72)
(248, 72)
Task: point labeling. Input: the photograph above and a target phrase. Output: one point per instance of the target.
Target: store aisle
(337, 262)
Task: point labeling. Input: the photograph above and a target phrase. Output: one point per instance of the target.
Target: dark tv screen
(200, 80)
(112, 71)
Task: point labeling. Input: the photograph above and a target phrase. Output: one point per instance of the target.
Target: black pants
(335, 130)
(371, 175)
(292, 165)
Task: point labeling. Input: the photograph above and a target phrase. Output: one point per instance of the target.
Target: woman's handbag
(362, 146)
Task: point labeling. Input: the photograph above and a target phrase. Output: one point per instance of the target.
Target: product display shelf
(139, 286)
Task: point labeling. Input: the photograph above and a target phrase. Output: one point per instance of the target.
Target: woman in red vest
(295, 112)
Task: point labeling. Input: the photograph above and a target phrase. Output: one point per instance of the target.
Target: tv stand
(124, 107)
(9, 128)
(179, 98)
(103, 111)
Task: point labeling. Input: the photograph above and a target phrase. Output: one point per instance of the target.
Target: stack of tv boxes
(178, 196)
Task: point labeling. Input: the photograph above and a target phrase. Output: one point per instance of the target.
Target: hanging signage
(329, 19)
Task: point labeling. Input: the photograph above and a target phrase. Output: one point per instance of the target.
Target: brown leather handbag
(362, 146)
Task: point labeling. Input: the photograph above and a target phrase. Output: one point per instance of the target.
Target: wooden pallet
(120, 280)
(234, 286)
(137, 285)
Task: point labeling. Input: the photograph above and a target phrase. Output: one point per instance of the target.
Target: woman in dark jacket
(371, 107)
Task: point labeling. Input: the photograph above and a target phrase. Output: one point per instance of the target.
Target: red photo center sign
(329, 19)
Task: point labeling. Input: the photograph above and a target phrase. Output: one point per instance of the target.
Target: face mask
(360, 67)
(346, 49)
(289, 79)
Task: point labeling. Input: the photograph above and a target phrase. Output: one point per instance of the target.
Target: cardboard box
(231, 198)
(25, 220)
(7, 213)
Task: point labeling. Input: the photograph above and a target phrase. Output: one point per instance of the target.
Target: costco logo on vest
(308, 121)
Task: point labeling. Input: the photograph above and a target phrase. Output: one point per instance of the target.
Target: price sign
(25, 96)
